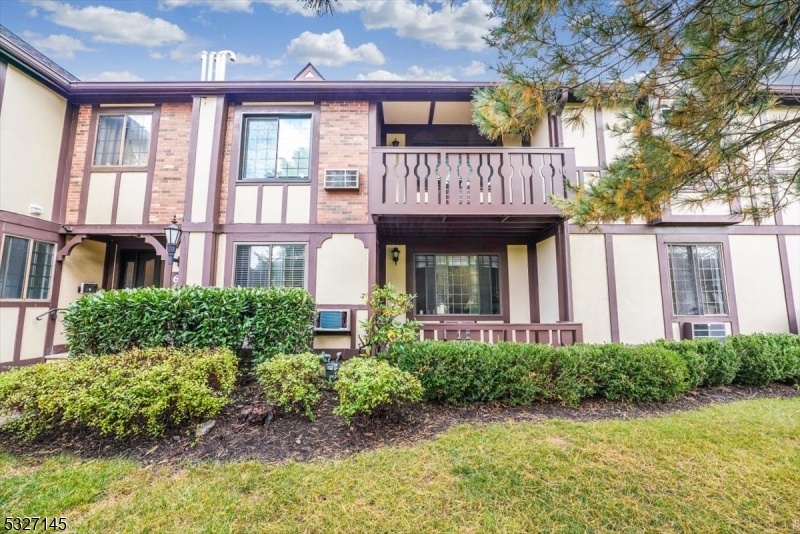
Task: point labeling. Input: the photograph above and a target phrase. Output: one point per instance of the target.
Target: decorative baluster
(506, 173)
(464, 171)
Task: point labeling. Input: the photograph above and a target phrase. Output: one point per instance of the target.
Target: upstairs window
(270, 265)
(451, 284)
(25, 268)
(696, 279)
(123, 140)
(276, 148)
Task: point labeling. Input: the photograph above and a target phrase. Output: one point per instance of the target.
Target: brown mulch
(294, 437)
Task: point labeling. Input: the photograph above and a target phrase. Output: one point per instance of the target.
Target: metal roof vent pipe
(212, 65)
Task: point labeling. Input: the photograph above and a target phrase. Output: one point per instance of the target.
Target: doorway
(139, 268)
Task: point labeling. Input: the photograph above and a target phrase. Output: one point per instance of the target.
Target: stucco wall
(396, 274)
(641, 316)
(84, 264)
(548, 280)
(590, 286)
(195, 258)
(519, 287)
(581, 135)
(342, 270)
(758, 282)
(30, 142)
(205, 148)
(8, 333)
(33, 335)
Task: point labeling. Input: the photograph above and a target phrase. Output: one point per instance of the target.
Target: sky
(161, 40)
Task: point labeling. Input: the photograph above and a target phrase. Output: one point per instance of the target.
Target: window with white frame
(25, 268)
(697, 280)
(270, 265)
(123, 139)
(276, 147)
(457, 284)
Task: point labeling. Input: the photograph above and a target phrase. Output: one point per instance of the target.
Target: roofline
(33, 66)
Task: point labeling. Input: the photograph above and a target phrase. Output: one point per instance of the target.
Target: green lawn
(732, 468)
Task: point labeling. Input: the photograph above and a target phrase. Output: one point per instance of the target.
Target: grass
(732, 468)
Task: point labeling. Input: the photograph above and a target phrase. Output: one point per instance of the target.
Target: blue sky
(155, 40)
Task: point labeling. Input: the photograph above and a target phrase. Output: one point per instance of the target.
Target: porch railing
(468, 181)
(555, 334)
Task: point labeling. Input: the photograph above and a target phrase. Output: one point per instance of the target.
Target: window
(270, 265)
(25, 267)
(696, 278)
(451, 284)
(122, 140)
(276, 148)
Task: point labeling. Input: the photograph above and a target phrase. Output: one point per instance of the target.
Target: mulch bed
(294, 437)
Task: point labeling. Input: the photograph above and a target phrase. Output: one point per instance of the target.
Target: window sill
(464, 319)
(119, 168)
(273, 182)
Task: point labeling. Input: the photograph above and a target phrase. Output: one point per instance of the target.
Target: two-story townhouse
(335, 186)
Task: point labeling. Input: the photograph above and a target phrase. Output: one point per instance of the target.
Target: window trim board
(230, 275)
(26, 278)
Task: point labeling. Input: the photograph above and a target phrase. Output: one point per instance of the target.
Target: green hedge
(142, 391)
(292, 381)
(268, 320)
(468, 371)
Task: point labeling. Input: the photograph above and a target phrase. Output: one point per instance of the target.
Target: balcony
(467, 181)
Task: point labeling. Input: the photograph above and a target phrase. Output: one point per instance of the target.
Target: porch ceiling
(528, 229)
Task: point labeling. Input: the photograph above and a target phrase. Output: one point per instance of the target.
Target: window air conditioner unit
(341, 179)
(332, 321)
(704, 331)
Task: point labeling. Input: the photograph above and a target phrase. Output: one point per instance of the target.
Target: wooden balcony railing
(555, 334)
(468, 181)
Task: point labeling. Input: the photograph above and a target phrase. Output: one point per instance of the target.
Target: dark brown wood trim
(271, 228)
(439, 247)
(151, 163)
(7, 366)
(316, 119)
(788, 290)
(739, 229)
(668, 218)
(602, 158)
(27, 223)
(533, 283)
(87, 166)
(119, 229)
(58, 349)
(187, 198)
(233, 178)
(18, 335)
(559, 130)
(564, 271)
(109, 266)
(22, 303)
(3, 76)
(284, 203)
(259, 203)
(55, 291)
(611, 273)
(315, 241)
(115, 200)
(666, 296)
(183, 262)
(431, 111)
(217, 153)
(65, 250)
(62, 170)
(209, 259)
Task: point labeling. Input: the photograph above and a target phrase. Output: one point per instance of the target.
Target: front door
(139, 268)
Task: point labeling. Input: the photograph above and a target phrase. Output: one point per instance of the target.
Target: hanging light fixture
(173, 233)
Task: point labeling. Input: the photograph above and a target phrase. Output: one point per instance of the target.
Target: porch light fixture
(395, 255)
(173, 233)
(396, 143)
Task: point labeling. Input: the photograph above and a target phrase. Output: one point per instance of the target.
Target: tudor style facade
(336, 186)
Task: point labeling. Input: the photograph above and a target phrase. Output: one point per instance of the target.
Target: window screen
(270, 265)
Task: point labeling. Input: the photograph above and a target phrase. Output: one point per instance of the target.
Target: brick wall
(343, 144)
(78, 162)
(172, 158)
(225, 177)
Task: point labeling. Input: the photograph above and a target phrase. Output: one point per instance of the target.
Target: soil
(248, 429)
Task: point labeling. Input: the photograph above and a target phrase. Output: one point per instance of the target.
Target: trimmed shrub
(366, 385)
(708, 362)
(268, 320)
(292, 382)
(142, 391)
(644, 373)
(577, 372)
(524, 373)
(767, 358)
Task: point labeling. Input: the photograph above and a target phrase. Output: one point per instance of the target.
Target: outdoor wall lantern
(396, 142)
(395, 255)
(173, 233)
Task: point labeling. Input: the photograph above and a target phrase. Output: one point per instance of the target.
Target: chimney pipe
(203, 65)
(222, 61)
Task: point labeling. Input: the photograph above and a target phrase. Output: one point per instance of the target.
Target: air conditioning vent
(704, 331)
(332, 321)
(341, 179)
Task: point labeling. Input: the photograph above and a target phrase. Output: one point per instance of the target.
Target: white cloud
(156, 55)
(330, 50)
(246, 6)
(450, 27)
(59, 46)
(414, 73)
(113, 76)
(473, 69)
(273, 63)
(109, 25)
(33, 13)
(244, 59)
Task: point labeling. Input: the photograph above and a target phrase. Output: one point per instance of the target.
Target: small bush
(767, 358)
(576, 375)
(292, 382)
(525, 373)
(269, 321)
(365, 385)
(136, 392)
(644, 373)
(384, 335)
